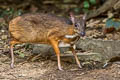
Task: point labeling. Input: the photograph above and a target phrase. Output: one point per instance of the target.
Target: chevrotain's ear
(84, 16)
(72, 17)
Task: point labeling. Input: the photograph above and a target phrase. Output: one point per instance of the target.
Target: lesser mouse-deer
(46, 29)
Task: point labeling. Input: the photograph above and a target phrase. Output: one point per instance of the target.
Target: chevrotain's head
(79, 23)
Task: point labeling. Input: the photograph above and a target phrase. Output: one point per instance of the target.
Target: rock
(4, 37)
(46, 50)
(100, 50)
(116, 36)
(89, 33)
(87, 56)
(2, 31)
(106, 48)
(41, 48)
(109, 36)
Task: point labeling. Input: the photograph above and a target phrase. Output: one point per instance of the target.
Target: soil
(45, 69)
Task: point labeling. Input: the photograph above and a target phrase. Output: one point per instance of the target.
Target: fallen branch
(109, 4)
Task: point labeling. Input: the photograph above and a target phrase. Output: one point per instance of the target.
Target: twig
(7, 51)
(1, 48)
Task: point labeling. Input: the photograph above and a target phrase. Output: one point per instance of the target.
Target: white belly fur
(70, 36)
(62, 44)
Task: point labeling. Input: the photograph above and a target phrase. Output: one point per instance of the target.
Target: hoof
(80, 66)
(60, 69)
(11, 65)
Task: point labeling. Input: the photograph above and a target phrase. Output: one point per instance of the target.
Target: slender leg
(12, 43)
(12, 56)
(76, 58)
(57, 51)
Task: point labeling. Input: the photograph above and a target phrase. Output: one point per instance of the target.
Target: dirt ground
(47, 70)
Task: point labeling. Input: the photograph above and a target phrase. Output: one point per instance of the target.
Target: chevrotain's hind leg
(76, 58)
(57, 51)
(12, 43)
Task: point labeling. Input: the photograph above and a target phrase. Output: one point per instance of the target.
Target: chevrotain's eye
(76, 25)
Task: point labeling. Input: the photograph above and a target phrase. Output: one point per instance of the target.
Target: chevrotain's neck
(71, 30)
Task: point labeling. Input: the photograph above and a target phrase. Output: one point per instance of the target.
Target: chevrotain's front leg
(54, 44)
(76, 58)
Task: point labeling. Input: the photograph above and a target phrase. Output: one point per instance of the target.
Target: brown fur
(41, 28)
(36, 28)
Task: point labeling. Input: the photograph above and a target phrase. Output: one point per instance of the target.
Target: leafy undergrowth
(96, 30)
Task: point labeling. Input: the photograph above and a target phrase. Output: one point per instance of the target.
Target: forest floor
(46, 69)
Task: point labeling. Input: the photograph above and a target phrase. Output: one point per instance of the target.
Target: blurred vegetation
(113, 23)
(13, 8)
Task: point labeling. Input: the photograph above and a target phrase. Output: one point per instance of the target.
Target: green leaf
(92, 1)
(85, 10)
(113, 23)
(27, 46)
(21, 54)
(19, 12)
(109, 23)
(67, 1)
(76, 10)
(86, 4)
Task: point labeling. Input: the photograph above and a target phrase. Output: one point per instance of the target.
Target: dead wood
(108, 5)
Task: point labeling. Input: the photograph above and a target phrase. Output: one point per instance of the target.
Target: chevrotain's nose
(82, 34)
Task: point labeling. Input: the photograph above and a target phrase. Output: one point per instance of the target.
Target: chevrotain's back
(36, 28)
